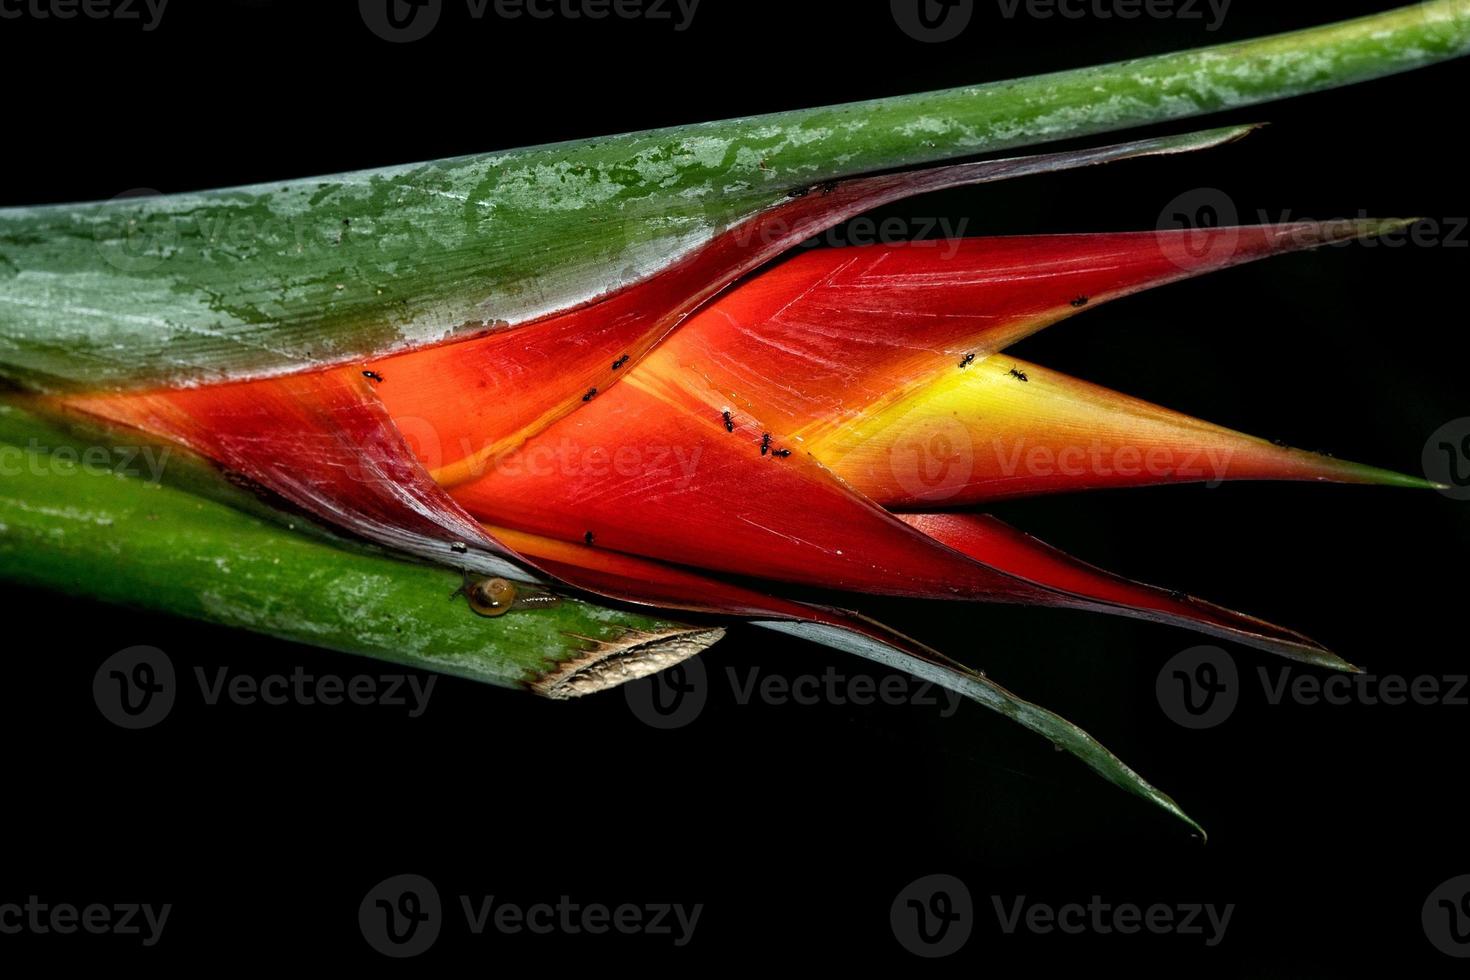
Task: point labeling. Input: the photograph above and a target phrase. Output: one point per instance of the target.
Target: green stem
(70, 521)
(917, 129)
(286, 276)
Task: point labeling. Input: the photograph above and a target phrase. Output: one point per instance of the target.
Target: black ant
(1081, 301)
(373, 376)
(1018, 374)
(799, 192)
(459, 548)
(765, 443)
(589, 537)
(729, 420)
(828, 187)
(620, 362)
(783, 453)
(968, 360)
(591, 394)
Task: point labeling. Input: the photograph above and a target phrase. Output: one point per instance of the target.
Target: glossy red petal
(831, 336)
(656, 469)
(323, 442)
(651, 470)
(1001, 546)
(464, 403)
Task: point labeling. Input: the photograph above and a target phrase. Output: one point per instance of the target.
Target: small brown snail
(498, 596)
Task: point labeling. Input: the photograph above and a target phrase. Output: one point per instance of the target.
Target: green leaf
(974, 685)
(277, 277)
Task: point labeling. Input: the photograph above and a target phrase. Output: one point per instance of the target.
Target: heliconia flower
(588, 369)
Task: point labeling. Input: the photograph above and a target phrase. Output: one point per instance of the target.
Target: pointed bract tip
(1319, 656)
(1362, 473)
(1209, 138)
(1379, 227)
(1331, 661)
(1314, 234)
(1242, 131)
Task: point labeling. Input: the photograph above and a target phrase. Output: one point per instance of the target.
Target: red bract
(763, 435)
(703, 442)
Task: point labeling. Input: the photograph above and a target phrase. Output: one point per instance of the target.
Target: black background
(796, 825)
